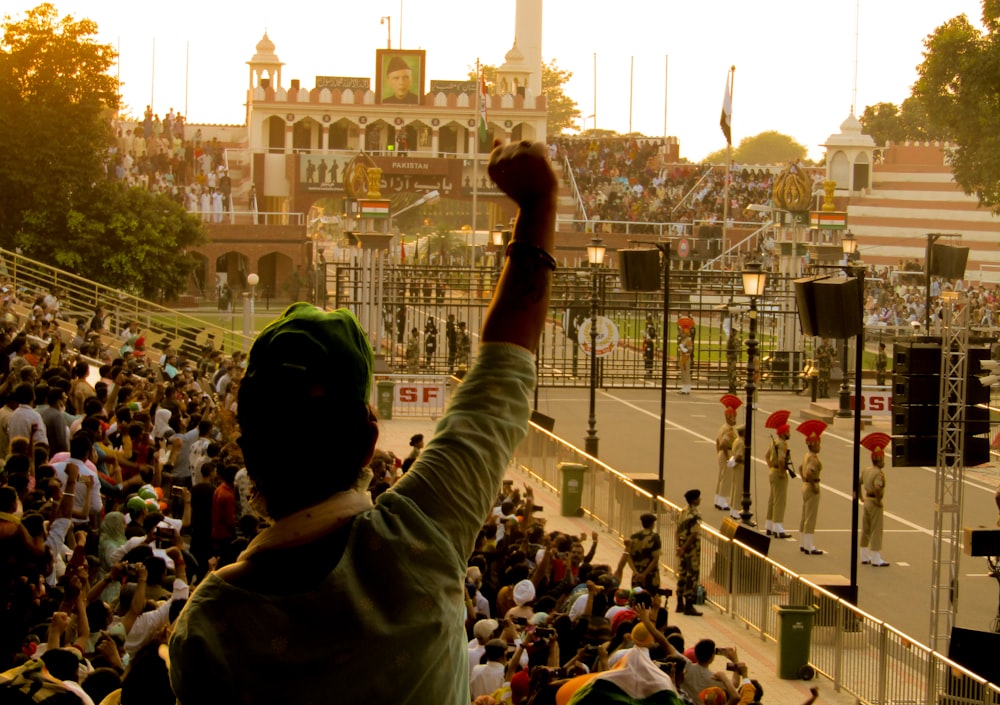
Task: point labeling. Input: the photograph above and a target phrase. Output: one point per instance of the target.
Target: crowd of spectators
(623, 179)
(895, 297)
(122, 486)
(160, 155)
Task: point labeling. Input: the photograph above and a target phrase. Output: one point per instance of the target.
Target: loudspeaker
(923, 420)
(981, 542)
(828, 307)
(735, 530)
(948, 261)
(540, 419)
(916, 389)
(976, 651)
(640, 269)
(916, 359)
(919, 451)
(805, 302)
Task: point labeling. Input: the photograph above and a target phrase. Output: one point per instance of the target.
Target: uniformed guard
(736, 461)
(649, 344)
(732, 358)
(872, 495)
(824, 361)
(779, 463)
(723, 451)
(685, 352)
(881, 364)
(688, 554)
(810, 472)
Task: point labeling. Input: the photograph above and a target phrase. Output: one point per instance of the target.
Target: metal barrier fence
(858, 653)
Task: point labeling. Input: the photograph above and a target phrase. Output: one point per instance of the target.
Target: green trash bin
(386, 393)
(572, 488)
(795, 624)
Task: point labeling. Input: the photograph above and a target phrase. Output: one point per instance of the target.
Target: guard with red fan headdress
(810, 471)
(872, 494)
(723, 451)
(779, 463)
(685, 351)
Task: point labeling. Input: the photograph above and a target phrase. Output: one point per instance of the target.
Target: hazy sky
(794, 58)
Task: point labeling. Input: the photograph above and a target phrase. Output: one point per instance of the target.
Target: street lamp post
(248, 307)
(849, 244)
(595, 257)
(754, 281)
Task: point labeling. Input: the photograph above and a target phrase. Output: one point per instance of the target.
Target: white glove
(731, 463)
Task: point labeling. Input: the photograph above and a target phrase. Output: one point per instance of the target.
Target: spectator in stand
(441, 500)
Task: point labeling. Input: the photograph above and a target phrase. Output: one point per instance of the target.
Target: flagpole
(631, 75)
(666, 86)
(729, 152)
(475, 153)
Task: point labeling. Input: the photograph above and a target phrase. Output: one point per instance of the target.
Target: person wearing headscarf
(112, 537)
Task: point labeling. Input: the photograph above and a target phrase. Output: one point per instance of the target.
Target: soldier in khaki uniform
(872, 495)
(779, 464)
(724, 440)
(824, 361)
(810, 471)
(737, 458)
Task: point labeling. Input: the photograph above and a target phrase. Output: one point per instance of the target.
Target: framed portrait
(399, 76)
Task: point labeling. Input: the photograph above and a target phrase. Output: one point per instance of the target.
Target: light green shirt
(387, 624)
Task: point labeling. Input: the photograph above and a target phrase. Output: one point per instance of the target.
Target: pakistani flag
(726, 121)
(483, 97)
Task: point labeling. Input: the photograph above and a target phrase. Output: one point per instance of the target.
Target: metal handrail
(568, 168)
(737, 247)
(691, 190)
(79, 296)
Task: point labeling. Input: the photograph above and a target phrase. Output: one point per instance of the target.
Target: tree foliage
(959, 85)
(770, 147)
(562, 110)
(57, 96)
(886, 122)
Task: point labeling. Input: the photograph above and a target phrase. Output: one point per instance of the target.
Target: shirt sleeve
(457, 476)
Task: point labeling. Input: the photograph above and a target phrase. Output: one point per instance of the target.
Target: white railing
(858, 653)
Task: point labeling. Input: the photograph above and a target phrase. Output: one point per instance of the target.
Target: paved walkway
(760, 655)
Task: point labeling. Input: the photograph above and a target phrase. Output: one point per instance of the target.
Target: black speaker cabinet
(920, 451)
(640, 269)
(916, 358)
(977, 651)
(829, 307)
(546, 422)
(916, 389)
(923, 420)
(948, 261)
(981, 542)
(733, 529)
(805, 302)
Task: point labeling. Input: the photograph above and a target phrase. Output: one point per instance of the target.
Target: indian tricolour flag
(483, 98)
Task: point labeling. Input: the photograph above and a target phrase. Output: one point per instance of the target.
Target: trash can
(386, 393)
(572, 488)
(794, 633)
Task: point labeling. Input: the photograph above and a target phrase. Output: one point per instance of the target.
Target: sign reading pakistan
(344, 82)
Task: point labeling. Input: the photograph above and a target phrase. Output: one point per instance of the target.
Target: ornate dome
(265, 52)
(514, 56)
(851, 124)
